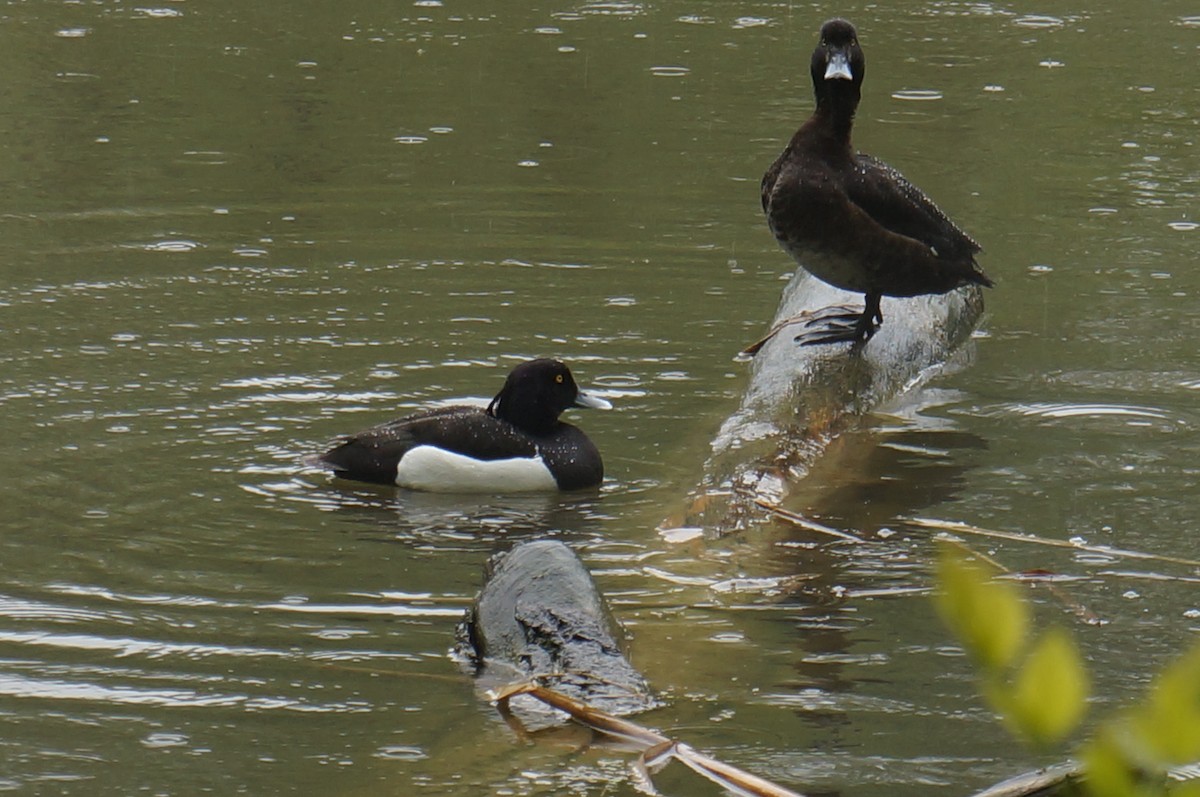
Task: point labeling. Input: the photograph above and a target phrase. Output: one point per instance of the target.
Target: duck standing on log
(850, 219)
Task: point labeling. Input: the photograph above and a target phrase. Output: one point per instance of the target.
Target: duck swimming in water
(517, 444)
(850, 219)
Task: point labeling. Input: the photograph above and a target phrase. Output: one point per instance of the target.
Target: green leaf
(1108, 773)
(988, 616)
(1189, 789)
(1049, 696)
(1169, 722)
(1129, 756)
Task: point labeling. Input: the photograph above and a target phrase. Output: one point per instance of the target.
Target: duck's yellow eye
(558, 378)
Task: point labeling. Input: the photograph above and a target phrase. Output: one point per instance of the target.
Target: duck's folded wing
(895, 203)
(372, 455)
(812, 214)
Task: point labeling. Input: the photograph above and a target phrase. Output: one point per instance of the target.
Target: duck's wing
(372, 455)
(767, 187)
(899, 206)
(814, 218)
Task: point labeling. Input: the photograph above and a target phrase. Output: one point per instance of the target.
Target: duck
(850, 219)
(516, 444)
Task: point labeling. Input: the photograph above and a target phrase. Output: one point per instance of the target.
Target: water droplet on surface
(1038, 21)
(160, 13)
(161, 739)
(399, 752)
(172, 246)
(917, 95)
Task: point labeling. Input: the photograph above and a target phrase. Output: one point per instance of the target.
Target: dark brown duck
(850, 219)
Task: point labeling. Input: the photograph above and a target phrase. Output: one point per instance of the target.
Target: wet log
(540, 617)
(1060, 780)
(799, 398)
(1068, 779)
(540, 632)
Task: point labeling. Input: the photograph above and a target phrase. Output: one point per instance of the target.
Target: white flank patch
(440, 471)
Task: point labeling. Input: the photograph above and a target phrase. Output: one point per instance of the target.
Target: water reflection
(452, 521)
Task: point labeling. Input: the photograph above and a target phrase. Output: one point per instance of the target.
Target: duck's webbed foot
(842, 324)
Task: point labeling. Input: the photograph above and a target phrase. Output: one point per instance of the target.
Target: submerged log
(800, 397)
(1060, 780)
(540, 617)
(541, 633)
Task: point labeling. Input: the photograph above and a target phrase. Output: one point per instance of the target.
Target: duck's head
(838, 65)
(536, 393)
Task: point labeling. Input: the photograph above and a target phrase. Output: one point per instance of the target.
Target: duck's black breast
(572, 458)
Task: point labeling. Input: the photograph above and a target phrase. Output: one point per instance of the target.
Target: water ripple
(823, 701)
(168, 246)
(121, 647)
(46, 688)
(104, 593)
(615, 9)
(278, 381)
(343, 610)
(1038, 21)
(158, 13)
(1066, 410)
(22, 609)
(917, 95)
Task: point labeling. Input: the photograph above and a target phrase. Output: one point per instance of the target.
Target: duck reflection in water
(851, 220)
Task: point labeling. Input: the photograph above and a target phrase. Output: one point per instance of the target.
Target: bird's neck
(527, 416)
(837, 102)
(827, 132)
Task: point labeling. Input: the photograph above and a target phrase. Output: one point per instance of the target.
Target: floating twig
(1075, 607)
(1147, 576)
(616, 727)
(965, 528)
(656, 750)
(754, 348)
(803, 522)
(730, 777)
